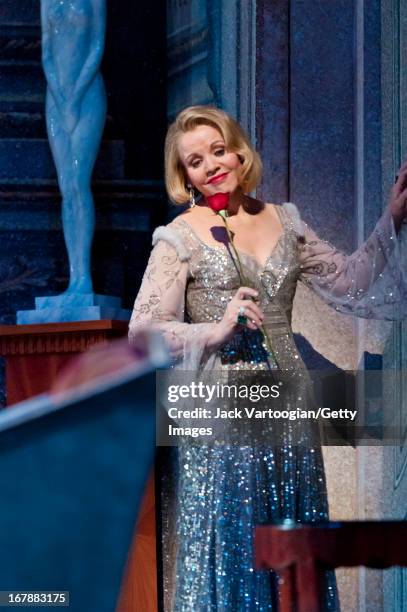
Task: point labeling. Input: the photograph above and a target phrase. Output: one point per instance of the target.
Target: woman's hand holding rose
(227, 327)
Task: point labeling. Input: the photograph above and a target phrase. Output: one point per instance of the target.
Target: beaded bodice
(213, 279)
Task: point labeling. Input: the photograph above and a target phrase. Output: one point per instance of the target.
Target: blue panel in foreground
(71, 482)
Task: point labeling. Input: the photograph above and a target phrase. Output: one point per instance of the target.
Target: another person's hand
(240, 304)
(398, 197)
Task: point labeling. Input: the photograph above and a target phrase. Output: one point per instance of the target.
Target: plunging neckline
(225, 247)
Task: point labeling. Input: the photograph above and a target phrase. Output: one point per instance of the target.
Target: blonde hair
(236, 141)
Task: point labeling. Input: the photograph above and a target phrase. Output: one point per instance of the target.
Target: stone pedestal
(74, 307)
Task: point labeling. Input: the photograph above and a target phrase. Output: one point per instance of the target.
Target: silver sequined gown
(214, 495)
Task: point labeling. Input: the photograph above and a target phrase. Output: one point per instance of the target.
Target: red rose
(219, 201)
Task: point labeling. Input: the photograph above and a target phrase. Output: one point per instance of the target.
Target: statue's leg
(75, 155)
(80, 220)
(61, 148)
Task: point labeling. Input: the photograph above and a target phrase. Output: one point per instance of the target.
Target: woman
(191, 292)
(73, 35)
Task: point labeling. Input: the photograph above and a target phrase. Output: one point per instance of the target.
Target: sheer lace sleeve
(370, 283)
(160, 302)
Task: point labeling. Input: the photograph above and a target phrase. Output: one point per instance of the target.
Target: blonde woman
(192, 292)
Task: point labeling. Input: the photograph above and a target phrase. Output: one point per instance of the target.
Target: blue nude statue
(73, 36)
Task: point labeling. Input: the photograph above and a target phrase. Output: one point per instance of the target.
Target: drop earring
(192, 202)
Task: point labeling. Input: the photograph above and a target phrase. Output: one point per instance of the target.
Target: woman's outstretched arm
(370, 283)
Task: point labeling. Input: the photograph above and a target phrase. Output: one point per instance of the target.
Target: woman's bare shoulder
(266, 212)
(277, 212)
(272, 208)
(198, 217)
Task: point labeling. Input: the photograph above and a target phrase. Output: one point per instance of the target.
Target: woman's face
(209, 167)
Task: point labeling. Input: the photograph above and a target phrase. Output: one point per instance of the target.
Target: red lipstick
(218, 178)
